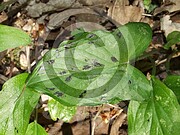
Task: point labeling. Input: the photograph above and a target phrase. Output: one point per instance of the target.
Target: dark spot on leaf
(57, 50)
(129, 82)
(114, 59)
(104, 89)
(59, 94)
(86, 60)
(50, 61)
(85, 67)
(16, 129)
(72, 38)
(67, 46)
(148, 120)
(90, 42)
(68, 78)
(62, 73)
(97, 64)
(82, 94)
(103, 98)
(119, 34)
(51, 88)
(91, 35)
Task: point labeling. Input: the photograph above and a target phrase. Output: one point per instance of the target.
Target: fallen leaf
(57, 19)
(173, 6)
(117, 124)
(3, 17)
(168, 26)
(23, 61)
(36, 9)
(94, 2)
(123, 14)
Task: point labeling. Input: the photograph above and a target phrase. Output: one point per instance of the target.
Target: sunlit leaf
(172, 39)
(159, 116)
(16, 104)
(59, 111)
(173, 82)
(94, 68)
(11, 37)
(35, 129)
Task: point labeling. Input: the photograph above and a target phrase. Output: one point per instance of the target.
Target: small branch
(94, 119)
(28, 58)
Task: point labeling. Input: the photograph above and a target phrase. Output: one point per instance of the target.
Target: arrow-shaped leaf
(94, 67)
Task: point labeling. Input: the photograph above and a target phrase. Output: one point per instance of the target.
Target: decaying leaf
(57, 19)
(36, 9)
(94, 2)
(168, 26)
(3, 17)
(174, 5)
(118, 122)
(122, 13)
(23, 60)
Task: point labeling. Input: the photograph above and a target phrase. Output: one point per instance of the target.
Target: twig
(113, 106)
(176, 54)
(149, 15)
(28, 58)
(94, 119)
(146, 55)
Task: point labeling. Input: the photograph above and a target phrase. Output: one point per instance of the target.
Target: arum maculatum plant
(92, 68)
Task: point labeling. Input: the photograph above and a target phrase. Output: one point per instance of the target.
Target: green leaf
(59, 111)
(158, 116)
(35, 129)
(172, 39)
(173, 82)
(94, 68)
(11, 37)
(149, 6)
(137, 37)
(16, 105)
(147, 2)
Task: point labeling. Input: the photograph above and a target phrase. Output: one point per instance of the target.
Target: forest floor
(49, 22)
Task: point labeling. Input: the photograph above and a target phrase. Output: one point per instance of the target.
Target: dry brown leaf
(118, 122)
(101, 127)
(3, 79)
(81, 114)
(3, 17)
(94, 2)
(54, 130)
(168, 26)
(57, 19)
(23, 60)
(36, 9)
(123, 14)
(174, 6)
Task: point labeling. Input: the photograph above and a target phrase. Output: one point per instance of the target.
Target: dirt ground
(49, 22)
